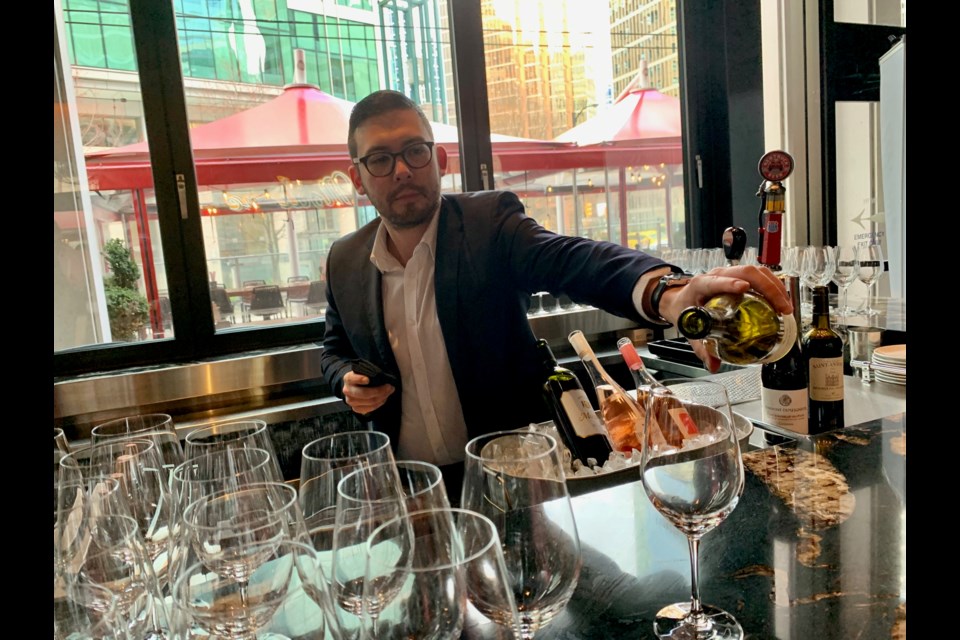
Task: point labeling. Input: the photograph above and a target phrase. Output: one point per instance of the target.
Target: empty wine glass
(815, 270)
(695, 487)
(225, 528)
(516, 480)
(144, 488)
(60, 441)
(366, 498)
(156, 427)
(116, 559)
(86, 612)
(426, 569)
(60, 449)
(206, 475)
(237, 606)
(324, 462)
(790, 261)
(869, 269)
(844, 274)
(232, 435)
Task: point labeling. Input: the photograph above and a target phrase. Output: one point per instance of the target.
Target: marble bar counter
(816, 547)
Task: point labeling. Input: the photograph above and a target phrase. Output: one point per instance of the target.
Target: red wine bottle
(579, 426)
(823, 349)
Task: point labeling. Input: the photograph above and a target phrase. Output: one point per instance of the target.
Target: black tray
(674, 350)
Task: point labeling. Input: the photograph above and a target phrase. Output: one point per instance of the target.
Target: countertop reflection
(816, 548)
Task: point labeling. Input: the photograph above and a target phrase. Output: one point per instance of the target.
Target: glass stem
(694, 544)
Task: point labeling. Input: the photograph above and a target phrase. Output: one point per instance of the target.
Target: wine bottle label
(582, 416)
(786, 409)
(682, 420)
(826, 379)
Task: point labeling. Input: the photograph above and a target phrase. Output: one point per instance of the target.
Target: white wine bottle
(823, 349)
(783, 384)
(578, 424)
(741, 328)
(622, 416)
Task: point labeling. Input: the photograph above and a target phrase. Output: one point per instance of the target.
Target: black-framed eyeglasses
(382, 163)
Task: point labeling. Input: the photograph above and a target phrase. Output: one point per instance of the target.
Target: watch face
(775, 166)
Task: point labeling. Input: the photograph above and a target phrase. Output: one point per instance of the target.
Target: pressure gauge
(775, 166)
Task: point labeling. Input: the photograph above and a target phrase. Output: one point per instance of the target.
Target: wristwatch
(666, 282)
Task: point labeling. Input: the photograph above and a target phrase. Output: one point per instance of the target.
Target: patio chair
(267, 301)
(298, 287)
(316, 297)
(218, 295)
(247, 296)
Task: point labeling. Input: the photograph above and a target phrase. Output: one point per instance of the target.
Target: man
(436, 291)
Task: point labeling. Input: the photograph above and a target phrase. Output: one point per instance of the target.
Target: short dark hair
(378, 103)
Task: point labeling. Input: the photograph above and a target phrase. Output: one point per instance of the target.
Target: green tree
(126, 306)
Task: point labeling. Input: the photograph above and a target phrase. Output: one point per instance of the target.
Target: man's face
(407, 197)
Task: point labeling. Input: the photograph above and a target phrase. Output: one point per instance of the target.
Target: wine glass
(60, 441)
(231, 435)
(790, 261)
(424, 570)
(844, 274)
(366, 498)
(226, 527)
(206, 475)
(144, 488)
(694, 486)
(117, 559)
(323, 464)
(515, 478)
(237, 606)
(869, 269)
(86, 612)
(156, 427)
(814, 270)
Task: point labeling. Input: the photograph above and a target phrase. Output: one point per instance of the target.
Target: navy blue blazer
(490, 257)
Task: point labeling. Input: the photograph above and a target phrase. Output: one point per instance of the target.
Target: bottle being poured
(740, 328)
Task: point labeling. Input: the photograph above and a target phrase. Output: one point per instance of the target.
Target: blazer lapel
(446, 279)
(371, 299)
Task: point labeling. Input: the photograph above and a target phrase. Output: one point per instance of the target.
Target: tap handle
(734, 244)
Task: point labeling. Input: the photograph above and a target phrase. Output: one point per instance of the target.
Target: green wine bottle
(580, 428)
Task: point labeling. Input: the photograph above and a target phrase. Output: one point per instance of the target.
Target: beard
(409, 213)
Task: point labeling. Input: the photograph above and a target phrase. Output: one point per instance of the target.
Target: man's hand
(723, 280)
(361, 398)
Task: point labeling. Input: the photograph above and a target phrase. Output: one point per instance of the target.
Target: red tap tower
(774, 168)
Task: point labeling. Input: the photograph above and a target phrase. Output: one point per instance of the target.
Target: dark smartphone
(376, 375)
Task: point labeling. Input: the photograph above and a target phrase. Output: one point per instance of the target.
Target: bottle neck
(821, 309)
(598, 375)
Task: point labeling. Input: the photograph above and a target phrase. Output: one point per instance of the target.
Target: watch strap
(676, 279)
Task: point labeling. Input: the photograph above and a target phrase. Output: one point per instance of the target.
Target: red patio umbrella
(642, 127)
(301, 135)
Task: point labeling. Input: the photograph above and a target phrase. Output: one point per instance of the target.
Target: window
(633, 195)
(252, 211)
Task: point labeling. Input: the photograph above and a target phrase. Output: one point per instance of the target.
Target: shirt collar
(384, 261)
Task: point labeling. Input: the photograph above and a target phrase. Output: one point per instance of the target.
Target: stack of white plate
(894, 355)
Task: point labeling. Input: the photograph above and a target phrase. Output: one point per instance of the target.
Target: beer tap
(734, 244)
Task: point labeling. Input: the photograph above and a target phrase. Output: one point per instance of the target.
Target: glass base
(675, 622)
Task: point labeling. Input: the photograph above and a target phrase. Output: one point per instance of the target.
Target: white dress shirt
(432, 427)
